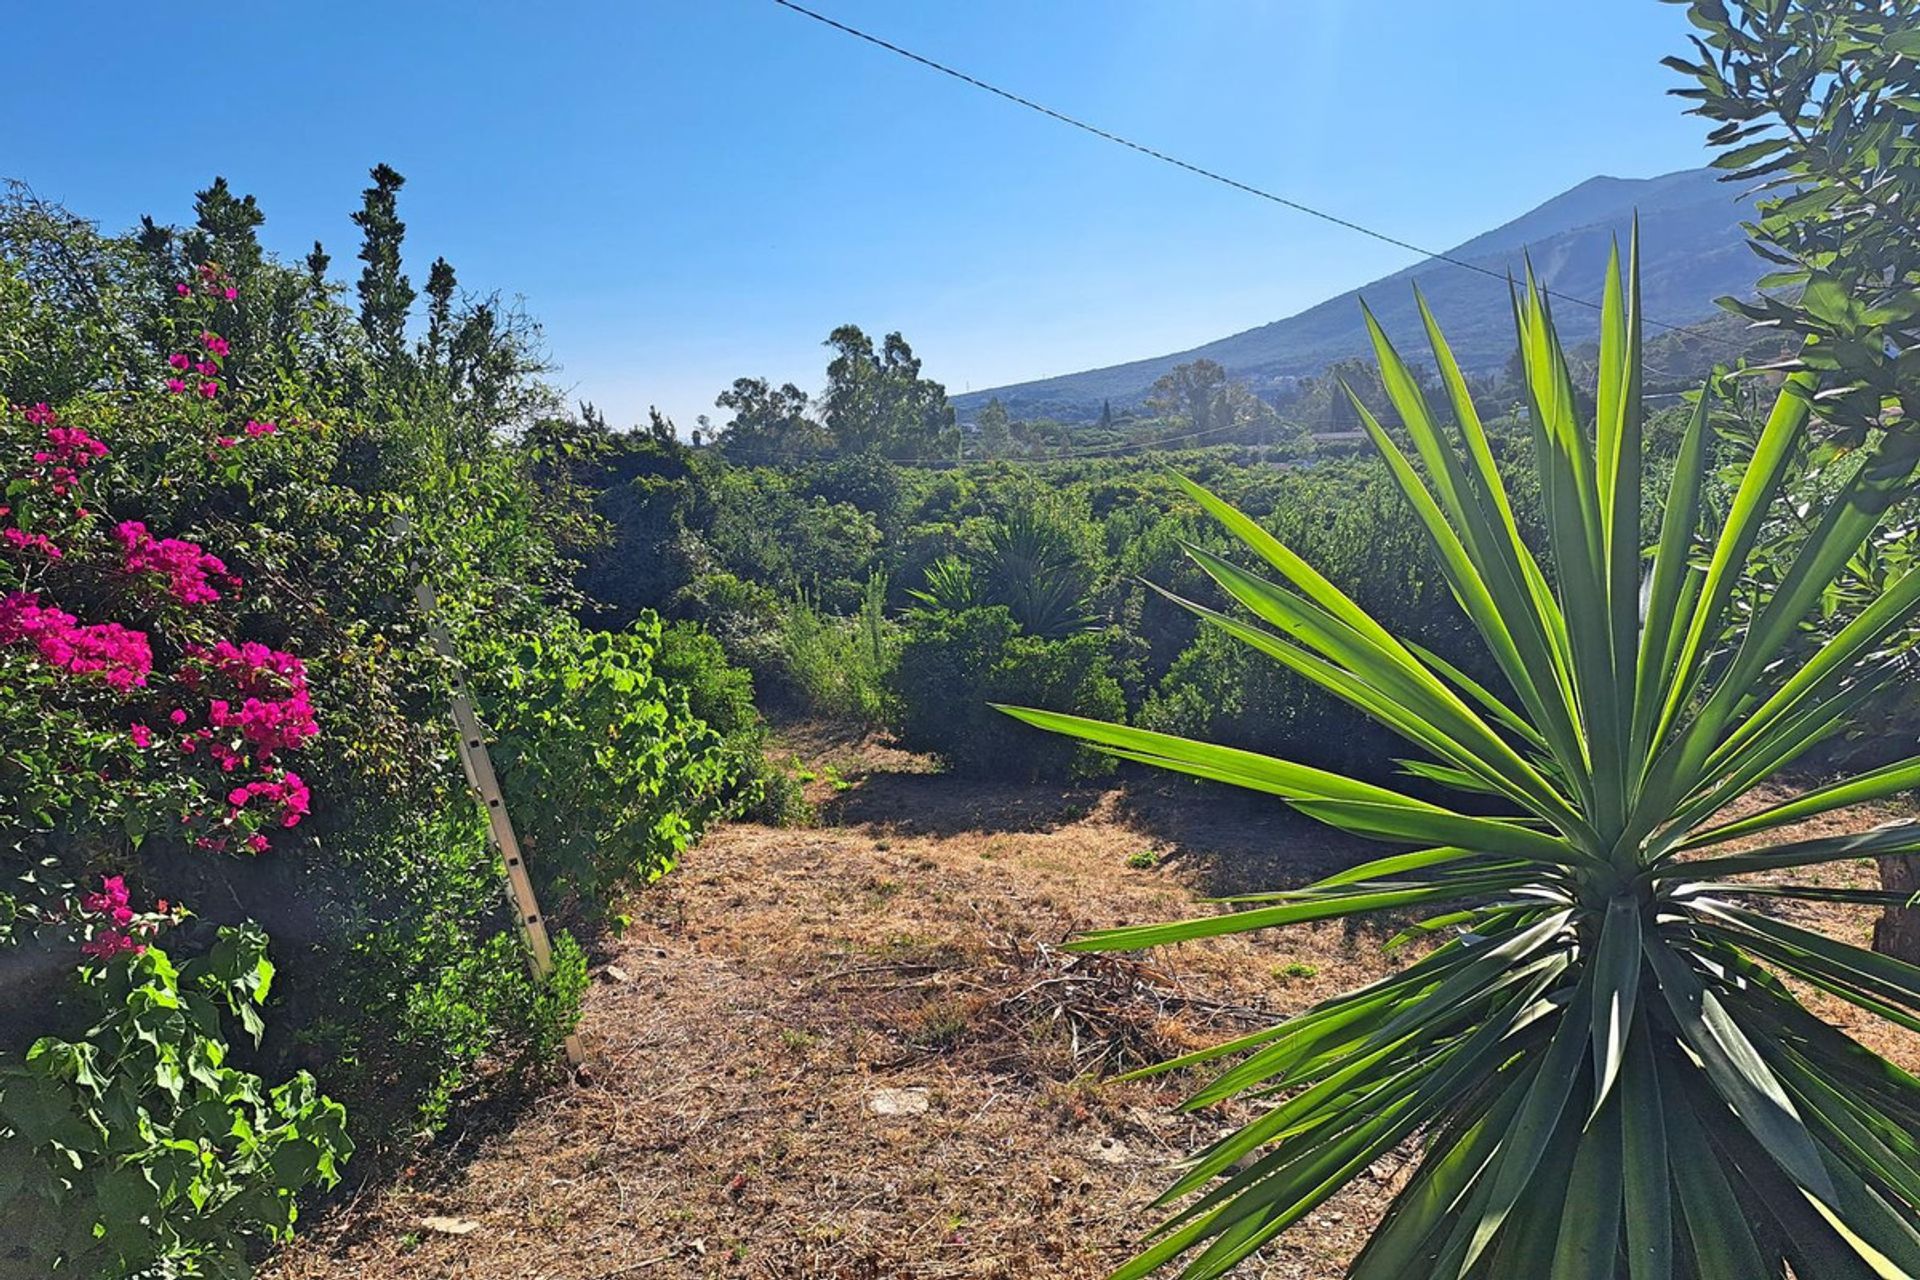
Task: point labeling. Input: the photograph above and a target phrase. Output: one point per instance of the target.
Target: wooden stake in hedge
(480, 776)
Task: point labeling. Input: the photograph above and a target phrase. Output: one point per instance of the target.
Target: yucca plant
(1031, 565)
(1606, 1056)
(950, 586)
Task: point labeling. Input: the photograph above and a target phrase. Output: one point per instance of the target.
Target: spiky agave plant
(1602, 1055)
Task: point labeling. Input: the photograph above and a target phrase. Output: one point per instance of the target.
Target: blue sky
(685, 191)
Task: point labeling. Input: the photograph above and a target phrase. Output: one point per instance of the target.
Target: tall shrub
(952, 665)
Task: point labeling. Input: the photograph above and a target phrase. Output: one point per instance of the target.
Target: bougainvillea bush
(139, 714)
(220, 714)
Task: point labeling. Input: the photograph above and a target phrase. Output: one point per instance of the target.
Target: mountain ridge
(1692, 253)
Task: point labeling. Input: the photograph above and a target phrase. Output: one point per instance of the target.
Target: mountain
(1692, 252)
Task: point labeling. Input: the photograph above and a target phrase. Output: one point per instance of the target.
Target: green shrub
(607, 775)
(720, 694)
(138, 1148)
(748, 618)
(953, 666)
(400, 963)
(430, 974)
(838, 667)
(1220, 690)
(1038, 562)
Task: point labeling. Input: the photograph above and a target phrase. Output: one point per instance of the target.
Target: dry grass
(858, 1052)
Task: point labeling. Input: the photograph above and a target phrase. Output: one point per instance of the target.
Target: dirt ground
(855, 1052)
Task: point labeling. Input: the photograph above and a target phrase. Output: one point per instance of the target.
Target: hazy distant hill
(1693, 252)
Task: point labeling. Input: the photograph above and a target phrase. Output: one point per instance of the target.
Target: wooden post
(1897, 932)
(480, 776)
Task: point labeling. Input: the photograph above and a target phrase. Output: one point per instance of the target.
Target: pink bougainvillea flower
(21, 540)
(206, 369)
(183, 289)
(178, 715)
(186, 568)
(214, 343)
(141, 735)
(120, 657)
(208, 390)
(175, 386)
(39, 415)
(275, 713)
(72, 446)
(230, 293)
(112, 905)
(227, 442)
(261, 428)
(179, 360)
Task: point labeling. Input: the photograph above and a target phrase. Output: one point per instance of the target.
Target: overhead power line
(1210, 174)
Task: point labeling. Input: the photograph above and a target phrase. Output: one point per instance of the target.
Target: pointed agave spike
(1623, 530)
(1609, 385)
(1663, 624)
(1485, 533)
(1577, 543)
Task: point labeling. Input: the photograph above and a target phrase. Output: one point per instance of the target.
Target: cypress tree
(385, 293)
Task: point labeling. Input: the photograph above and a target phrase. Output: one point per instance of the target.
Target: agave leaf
(1331, 906)
(1738, 1072)
(1719, 1231)
(1617, 964)
(1589, 1232)
(1758, 487)
(1647, 1185)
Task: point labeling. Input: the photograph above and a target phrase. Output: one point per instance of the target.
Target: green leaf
(1616, 992)
(1332, 906)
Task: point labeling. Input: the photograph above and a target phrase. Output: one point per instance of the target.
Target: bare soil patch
(857, 1052)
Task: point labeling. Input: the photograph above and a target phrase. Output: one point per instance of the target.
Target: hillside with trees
(1697, 254)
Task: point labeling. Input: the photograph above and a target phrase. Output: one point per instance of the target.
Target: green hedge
(952, 666)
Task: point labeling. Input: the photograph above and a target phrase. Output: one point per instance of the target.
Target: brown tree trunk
(1897, 933)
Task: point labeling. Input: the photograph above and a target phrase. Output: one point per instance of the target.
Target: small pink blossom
(141, 735)
(261, 428)
(175, 386)
(231, 293)
(179, 360)
(208, 390)
(184, 289)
